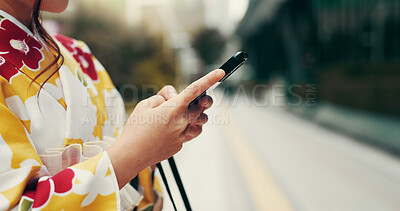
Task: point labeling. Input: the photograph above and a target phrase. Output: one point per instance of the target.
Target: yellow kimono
(52, 143)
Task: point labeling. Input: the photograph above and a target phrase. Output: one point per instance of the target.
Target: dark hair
(37, 29)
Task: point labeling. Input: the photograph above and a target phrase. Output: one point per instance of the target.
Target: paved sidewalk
(265, 157)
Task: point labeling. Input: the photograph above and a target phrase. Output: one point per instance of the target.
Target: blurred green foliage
(134, 59)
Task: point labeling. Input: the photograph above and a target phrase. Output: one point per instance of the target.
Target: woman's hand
(159, 126)
(168, 92)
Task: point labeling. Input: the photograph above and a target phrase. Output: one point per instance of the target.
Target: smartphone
(229, 67)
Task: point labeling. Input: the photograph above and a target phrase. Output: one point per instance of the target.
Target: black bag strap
(161, 170)
(178, 181)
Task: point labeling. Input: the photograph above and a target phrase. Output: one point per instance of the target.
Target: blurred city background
(311, 122)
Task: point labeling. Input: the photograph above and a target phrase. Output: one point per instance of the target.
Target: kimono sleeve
(24, 184)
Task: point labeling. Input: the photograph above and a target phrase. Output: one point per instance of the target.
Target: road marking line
(265, 193)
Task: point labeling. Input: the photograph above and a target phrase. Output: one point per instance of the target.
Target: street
(265, 158)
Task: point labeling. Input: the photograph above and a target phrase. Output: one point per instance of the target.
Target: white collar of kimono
(16, 22)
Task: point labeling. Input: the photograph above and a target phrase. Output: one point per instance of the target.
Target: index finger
(196, 88)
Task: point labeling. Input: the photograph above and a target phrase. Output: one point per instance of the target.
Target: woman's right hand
(157, 129)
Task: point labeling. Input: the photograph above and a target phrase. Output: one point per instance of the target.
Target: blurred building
(344, 54)
(350, 49)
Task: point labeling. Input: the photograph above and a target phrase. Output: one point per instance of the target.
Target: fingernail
(220, 73)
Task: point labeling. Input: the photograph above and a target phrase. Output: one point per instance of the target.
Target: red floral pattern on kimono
(7, 70)
(52, 144)
(18, 47)
(62, 183)
(84, 58)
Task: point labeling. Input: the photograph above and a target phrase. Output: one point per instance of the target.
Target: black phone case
(229, 67)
